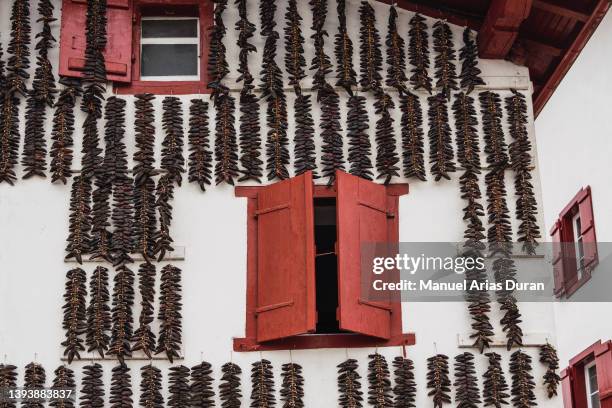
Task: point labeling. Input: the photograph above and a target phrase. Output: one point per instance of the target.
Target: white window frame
(590, 393)
(578, 245)
(172, 40)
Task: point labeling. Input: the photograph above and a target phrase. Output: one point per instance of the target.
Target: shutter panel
(566, 387)
(362, 218)
(585, 208)
(603, 362)
(286, 301)
(118, 53)
(557, 258)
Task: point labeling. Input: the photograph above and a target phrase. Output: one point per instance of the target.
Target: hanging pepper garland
(250, 141)
(8, 379)
(332, 157)
(122, 244)
(79, 223)
(121, 387)
(499, 234)
(549, 357)
(440, 145)
(218, 67)
(172, 160)
(226, 167)
(170, 336)
(262, 379)
(200, 157)
(412, 136)
(144, 129)
(468, 156)
(92, 386)
(418, 53)
(405, 387)
(438, 381)
(444, 63)
(179, 394)
(386, 149)
(98, 313)
(144, 338)
(467, 394)
(523, 386)
(123, 302)
(520, 159)
(164, 194)
(201, 389)
(495, 388)
(151, 387)
(347, 77)
(295, 63)
(75, 319)
(63, 379)
(468, 54)
(349, 385)
(34, 377)
(40, 96)
(145, 219)
(370, 54)
(379, 388)
(396, 56)
(229, 389)
(63, 130)
(9, 138)
(292, 389)
(359, 141)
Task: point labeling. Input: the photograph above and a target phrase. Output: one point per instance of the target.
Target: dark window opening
(326, 265)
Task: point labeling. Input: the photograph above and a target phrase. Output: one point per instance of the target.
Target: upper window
(170, 49)
(574, 244)
(304, 264)
(592, 389)
(155, 46)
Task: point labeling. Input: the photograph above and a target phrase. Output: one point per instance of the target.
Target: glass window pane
(169, 28)
(169, 59)
(595, 401)
(593, 379)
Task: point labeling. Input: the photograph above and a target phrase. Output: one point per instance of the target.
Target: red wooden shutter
(286, 301)
(567, 376)
(603, 362)
(557, 258)
(362, 218)
(585, 208)
(118, 51)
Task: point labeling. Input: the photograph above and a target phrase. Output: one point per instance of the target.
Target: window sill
(162, 88)
(318, 341)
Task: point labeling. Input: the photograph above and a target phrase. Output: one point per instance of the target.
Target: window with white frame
(170, 49)
(592, 388)
(579, 245)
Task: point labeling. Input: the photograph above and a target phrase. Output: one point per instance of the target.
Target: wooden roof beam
(501, 27)
(551, 7)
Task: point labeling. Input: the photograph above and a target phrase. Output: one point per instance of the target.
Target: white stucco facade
(212, 227)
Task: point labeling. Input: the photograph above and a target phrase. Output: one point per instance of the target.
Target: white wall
(574, 146)
(212, 227)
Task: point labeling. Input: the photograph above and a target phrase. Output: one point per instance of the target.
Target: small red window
(304, 272)
(587, 381)
(574, 244)
(155, 46)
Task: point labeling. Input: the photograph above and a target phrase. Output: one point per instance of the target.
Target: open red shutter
(286, 301)
(362, 218)
(567, 376)
(603, 362)
(585, 208)
(557, 258)
(118, 51)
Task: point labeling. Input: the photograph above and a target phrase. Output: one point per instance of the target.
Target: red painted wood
(311, 341)
(558, 259)
(361, 218)
(603, 362)
(566, 388)
(285, 259)
(501, 27)
(203, 8)
(585, 208)
(118, 53)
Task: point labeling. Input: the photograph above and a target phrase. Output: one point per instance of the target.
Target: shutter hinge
(390, 214)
